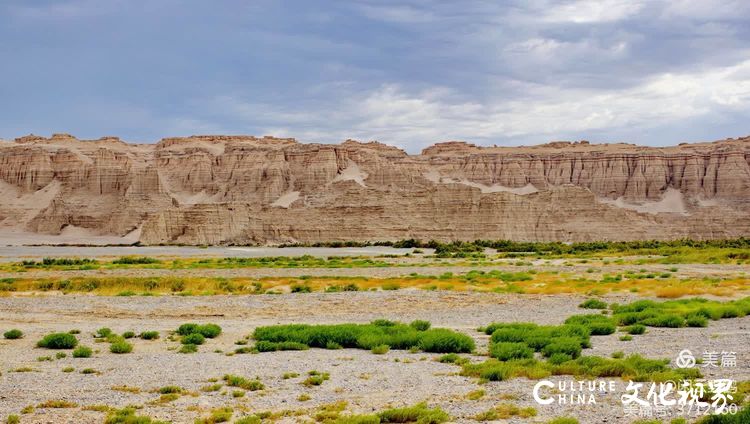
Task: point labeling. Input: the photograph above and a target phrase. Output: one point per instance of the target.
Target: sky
(407, 73)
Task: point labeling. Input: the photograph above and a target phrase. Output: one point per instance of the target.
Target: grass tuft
(13, 334)
(82, 352)
(58, 341)
(121, 346)
(418, 413)
(593, 304)
(243, 383)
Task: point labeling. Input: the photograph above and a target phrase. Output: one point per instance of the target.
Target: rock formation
(248, 190)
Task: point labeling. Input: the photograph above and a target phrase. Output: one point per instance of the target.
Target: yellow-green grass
(661, 255)
(145, 262)
(633, 367)
(498, 282)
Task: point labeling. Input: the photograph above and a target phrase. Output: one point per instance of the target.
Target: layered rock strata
(248, 190)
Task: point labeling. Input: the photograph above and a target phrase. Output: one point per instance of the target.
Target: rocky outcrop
(240, 189)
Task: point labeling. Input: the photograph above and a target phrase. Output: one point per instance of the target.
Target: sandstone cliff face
(238, 189)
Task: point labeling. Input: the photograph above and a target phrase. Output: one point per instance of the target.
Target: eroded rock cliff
(241, 189)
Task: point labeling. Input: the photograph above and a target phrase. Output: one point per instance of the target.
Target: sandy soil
(367, 382)
(14, 253)
(69, 235)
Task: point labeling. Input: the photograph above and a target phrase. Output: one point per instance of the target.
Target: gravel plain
(367, 382)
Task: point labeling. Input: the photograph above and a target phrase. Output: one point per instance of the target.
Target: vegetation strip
(366, 336)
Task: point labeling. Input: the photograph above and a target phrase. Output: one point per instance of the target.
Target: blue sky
(408, 73)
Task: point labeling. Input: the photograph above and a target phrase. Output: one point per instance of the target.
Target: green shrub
(209, 331)
(538, 338)
(13, 419)
(636, 329)
(593, 304)
(665, 320)
(505, 351)
(531, 333)
(186, 329)
(46, 262)
(13, 334)
(121, 346)
(420, 325)
(315, 378)
(380, 349)
(150, 335)
(511, 333)
(440, 340)
(694, 312)
(135, 260)
(243, 383)
(366, 336)
(696, 320)
(599, 325)
(82, 352)
(193, 339)
(602, 328)
(566, 345)
(188, 348)
(127, 416)
(419, 413)
(170, 389)
(450, 358)
(634, 367)
(58, 341)
(128, 334)
(218, 415)
(337, 288)
(491, 370)
(300, 288)
(104, 332)
(206, 330)
(559, 358)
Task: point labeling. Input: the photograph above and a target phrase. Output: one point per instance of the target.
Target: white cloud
(414, 120)
(591, 11)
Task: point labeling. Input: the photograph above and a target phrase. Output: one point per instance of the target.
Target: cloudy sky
(408, 73)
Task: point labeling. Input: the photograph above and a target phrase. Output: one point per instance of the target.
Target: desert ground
(155, 380)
